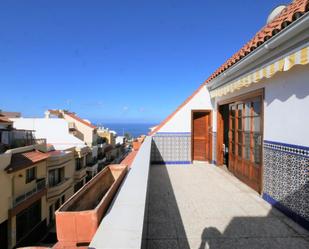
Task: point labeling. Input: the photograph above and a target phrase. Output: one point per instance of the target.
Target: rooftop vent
(276, 11)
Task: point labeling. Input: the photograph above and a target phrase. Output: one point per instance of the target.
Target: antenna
(275, 12)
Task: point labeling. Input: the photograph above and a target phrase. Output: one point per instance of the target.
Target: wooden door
(245, 137)
(201, 135)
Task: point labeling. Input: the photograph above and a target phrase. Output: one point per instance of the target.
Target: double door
(245, 141)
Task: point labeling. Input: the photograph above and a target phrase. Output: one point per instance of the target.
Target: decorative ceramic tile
(286, 177)
(171, 147)
(214, 146)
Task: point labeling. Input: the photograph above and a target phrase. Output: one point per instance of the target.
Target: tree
(128, 136)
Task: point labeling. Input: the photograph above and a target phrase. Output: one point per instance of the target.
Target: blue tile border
(297, 218)
(171, 162)
(287, 148)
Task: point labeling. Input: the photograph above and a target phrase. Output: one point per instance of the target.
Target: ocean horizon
(134, 129)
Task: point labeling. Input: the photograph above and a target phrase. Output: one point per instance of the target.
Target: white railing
(122, 227)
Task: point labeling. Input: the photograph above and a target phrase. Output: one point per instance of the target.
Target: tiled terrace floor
(202, 206)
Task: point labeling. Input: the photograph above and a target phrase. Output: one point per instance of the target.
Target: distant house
(252, 115)
(120, 140)
(108, 135)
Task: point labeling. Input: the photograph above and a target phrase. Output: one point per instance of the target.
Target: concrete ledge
(122, 227)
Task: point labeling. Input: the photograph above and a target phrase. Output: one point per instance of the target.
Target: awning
(24, 160)
(300, 57)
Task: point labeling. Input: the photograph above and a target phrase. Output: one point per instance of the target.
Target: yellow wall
(19, 179)
(89, 136)
(5, 187)
(108, 135)
(68, 162)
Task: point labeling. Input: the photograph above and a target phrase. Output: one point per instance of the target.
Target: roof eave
(287, 35)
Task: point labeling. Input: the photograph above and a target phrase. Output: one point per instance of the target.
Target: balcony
(58, 189)
(92, 162)
(80, 173)
(11, 139)
(72, 126)
(191, 206)
(40, 185)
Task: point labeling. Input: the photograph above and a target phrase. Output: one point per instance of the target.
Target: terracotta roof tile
(25, 159)
(5, 120)
(288, 15)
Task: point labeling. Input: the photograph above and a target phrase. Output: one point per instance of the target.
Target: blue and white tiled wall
(286, 179)
(214, 147)
(171, 148)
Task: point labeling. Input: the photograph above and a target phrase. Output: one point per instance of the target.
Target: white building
(56, 133)
(120, 140)
(252, 115)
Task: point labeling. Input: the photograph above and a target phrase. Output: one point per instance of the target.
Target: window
(55, 176)
(78, 163)
(30, 174)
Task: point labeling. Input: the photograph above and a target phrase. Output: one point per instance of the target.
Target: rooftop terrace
(192, 206)
(203, 206)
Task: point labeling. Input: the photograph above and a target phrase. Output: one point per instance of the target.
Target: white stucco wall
(181, 121)
(286, 106)
(286, 117)
(55, 131)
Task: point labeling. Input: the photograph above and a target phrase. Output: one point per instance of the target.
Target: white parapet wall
(122, 227)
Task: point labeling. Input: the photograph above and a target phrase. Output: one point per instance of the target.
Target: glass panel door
(245, 139)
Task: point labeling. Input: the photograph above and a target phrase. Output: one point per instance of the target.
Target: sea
(135, 130)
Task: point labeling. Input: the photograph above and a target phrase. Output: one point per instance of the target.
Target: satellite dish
(276, 11)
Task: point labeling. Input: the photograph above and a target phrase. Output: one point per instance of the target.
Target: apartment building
(23, 177)
(60, 172)
(108, 135)
(80, 128)
(56, 132)
(85, 131)
(250, 115)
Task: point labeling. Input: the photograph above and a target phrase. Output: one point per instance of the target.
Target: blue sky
(117, 61)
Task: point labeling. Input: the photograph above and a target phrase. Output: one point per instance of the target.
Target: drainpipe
(289, 32)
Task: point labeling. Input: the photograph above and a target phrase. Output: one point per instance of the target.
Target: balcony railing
(40, 184)
(65, 179)
(130, 202)
(11, 139)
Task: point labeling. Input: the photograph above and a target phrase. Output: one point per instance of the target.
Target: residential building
(108, 135)
(241, 137)
(60, 173)
(120, 140)
(10, 114)
(92, 163)
(58, 138)
(80, 128)
(251, 115)
(239, 150)
(23, 204)
(85, 131)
